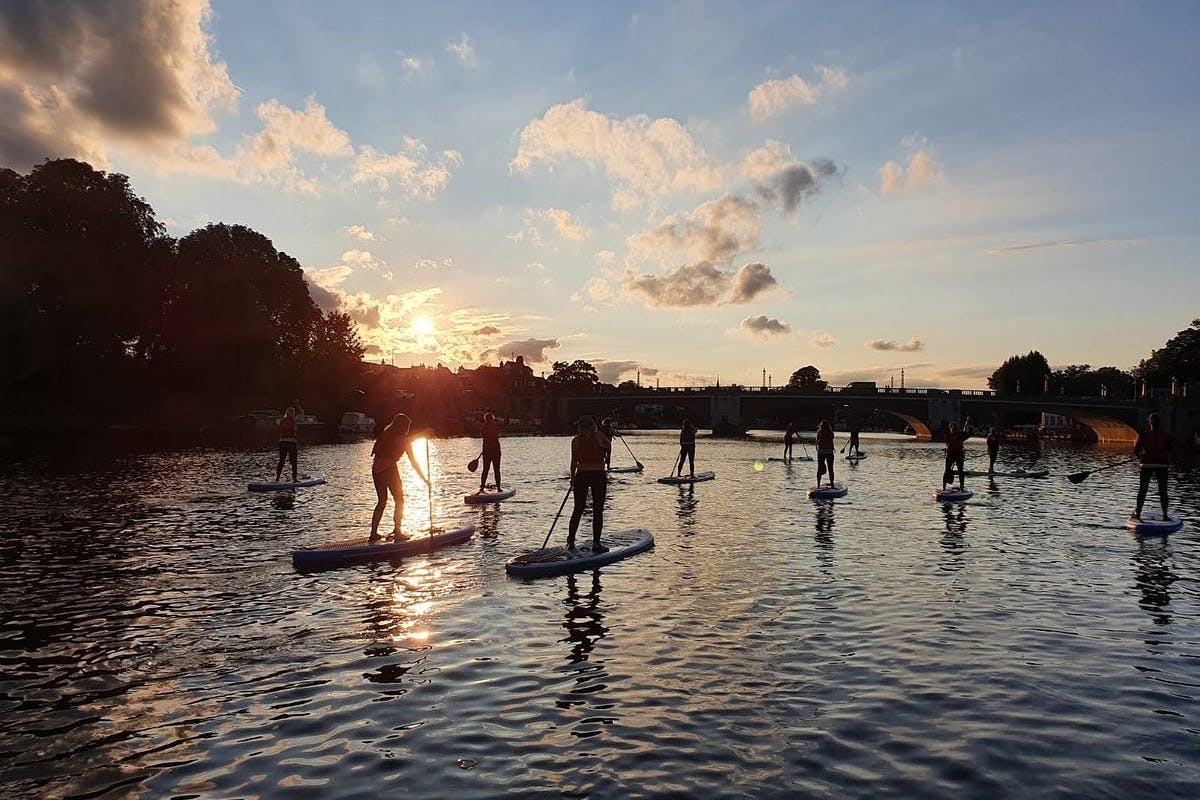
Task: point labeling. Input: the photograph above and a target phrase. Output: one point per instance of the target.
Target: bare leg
(279, 466)
(381, 493)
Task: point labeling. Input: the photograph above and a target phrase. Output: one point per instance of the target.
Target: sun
(422, 326)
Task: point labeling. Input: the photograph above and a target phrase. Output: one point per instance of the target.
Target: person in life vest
(392, 443)
(491, 449)
(824, 451)
(1153, 447)
(588, 474)
(687, 447)
(287, 443)
(956, 454)
(789, 438)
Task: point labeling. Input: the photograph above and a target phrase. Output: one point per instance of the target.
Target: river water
(156, 642)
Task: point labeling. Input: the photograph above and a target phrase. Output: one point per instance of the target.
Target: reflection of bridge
(928, 411)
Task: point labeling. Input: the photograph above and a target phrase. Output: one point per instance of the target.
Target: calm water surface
(155, 641)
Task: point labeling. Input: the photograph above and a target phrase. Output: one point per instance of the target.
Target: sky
(695, 190)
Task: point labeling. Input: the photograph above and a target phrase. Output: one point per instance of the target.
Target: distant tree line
(103, 313)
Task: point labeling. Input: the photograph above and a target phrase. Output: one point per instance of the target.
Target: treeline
(1177, 361)
(103, 315)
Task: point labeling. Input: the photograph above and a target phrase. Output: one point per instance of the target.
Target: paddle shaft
(631, 455)
(1078, 477)
(560, 510)
(429, 484)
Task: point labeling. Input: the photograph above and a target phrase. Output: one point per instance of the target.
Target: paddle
(429, 484)
(631, 455)
(1080, 477)
(559, 514)
(474, 465)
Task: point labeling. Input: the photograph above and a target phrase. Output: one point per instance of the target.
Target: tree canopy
(1025, 374)
(1178, 359)
(807, 379)
(575, 375)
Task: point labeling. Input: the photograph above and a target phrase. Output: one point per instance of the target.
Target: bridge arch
(1107, 429)
(924, 434)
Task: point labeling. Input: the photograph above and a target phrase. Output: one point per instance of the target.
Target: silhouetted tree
(807, 379)
(575, 376)
(1083, 381)
(1028, 372)
(1178, 359)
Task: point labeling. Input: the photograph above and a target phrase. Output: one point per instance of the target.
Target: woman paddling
(392, 443)
(1154, 449)
(588, 475)
(993, 446)
(491, 449)
(687, 446)
(824, 451)
(789, 438)
(287, 442)
(956, 454)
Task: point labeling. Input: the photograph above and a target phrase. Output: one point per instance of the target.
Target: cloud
(781, 178)
(464, 52)
(702, 284)
(486, 330)
(773, 97)
(360, 232)
(414, 65)
(564, 223)
(433, 263)
(922, 170)
(408, 168)
(825, 340)
(716, 231)
(1064, 244)
(612, 371)
(764, 326)
(912, 345)
(328, 278)
(646, 159)
(534, 350)
(78, 78)
(325, 299)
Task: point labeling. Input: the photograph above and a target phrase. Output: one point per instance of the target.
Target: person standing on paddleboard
(789, 438)
(993, 446)
(606, 428)
(1154, 449)
(824, 451)
(287, 443)
(588, 474)
(854, 450)
(687, 446)
(392, 443)
(956, 454)
(491, 449)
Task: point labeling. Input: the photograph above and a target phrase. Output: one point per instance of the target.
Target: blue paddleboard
(477, 498)
(361, 551)
(559, 560)
(1152, 523)
(827, 492)
(699, 477)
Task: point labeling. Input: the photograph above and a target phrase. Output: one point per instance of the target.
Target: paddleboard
(488, 497)
(361, 551)
(858, 457)
(789, 460)
(1019, 473)
(284, 486)
(618, 470)
(699, 477)
(952, 495)
(559, 560)
(1152, 522)
(826, 492)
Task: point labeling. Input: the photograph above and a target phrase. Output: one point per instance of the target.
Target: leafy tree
(577, 375)
(1081, 380)
(629, 386)
(807, 379)
(1027, 373)
(1178, 359)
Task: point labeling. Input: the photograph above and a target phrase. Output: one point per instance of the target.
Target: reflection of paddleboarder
(687, 447)
(588, 475)
(1154, 449)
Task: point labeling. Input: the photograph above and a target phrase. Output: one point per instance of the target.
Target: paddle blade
(472, 465)
(1078, 477)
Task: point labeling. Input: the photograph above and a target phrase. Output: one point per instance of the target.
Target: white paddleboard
(284, 486)
(1016, 473)
(858, 457)
(488, 497)
(827, 492)
(1152, 522)
(952, 495)
(789, 460)
(624, 470)
(559, 560)
(699, 477)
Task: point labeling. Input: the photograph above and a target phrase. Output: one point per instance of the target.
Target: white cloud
(409, 169)
(763, 326)
(414, 65)
(773, 97)
(825, 340)
(646, 159)
(911, 346)
(564, 223)
(921, 169)
(464, 52)
(360, 232)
